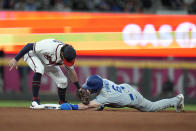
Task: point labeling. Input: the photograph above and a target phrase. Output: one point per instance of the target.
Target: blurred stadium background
(150, 44)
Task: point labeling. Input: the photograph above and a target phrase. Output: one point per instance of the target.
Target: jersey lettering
(57, 41)
(107, 86)
(49, 58)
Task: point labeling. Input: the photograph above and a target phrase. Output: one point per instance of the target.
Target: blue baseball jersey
(113, 95)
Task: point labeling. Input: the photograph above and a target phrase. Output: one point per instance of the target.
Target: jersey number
(117, 88)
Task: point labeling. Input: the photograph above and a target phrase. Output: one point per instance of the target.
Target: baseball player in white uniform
(123, 95)
(46, 56)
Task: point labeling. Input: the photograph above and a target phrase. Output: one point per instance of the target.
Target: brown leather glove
(84, 96)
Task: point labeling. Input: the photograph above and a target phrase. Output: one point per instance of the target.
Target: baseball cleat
(180, 104)
(34, 104)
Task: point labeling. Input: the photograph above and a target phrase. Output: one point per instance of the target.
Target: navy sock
(36, 85)
(61, 94)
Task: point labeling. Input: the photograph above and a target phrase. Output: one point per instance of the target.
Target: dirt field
(24, 119)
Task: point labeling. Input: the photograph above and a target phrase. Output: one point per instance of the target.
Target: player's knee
(62, 85)
(62, 82)
(41, 71)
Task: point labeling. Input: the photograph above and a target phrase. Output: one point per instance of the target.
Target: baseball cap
(69, 55)
(93, 83)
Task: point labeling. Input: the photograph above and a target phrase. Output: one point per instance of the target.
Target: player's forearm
(85, 107)
(26, 49)
(82, 106)
(91, 106)
(72, 75)
(74, 78)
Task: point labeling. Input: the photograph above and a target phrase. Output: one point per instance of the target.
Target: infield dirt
(25, 119)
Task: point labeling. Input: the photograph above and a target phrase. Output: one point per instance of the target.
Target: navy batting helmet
(94, 84)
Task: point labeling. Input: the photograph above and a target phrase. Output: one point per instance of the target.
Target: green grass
(21, 103)
(190, 107)
(9, 103)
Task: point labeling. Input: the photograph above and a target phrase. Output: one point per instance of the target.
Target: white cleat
(34, 104)
(180, 104)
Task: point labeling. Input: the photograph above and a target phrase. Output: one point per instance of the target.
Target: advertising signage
(112, 34)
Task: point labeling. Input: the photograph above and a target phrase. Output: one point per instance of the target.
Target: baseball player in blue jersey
(46, 56)
(123, 95)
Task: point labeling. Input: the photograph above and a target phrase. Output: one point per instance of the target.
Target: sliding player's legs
(142, 104)
(145, 105)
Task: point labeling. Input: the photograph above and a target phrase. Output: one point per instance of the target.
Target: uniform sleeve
(26, 49)
(101, 100)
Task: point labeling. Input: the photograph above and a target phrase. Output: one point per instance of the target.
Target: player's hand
(12, 63)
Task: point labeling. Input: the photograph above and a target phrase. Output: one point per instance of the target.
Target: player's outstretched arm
(91, 106)
(13, 62)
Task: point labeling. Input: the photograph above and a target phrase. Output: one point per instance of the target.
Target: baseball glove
(84, 96)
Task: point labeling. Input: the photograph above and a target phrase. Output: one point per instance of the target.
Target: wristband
(77, 85)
